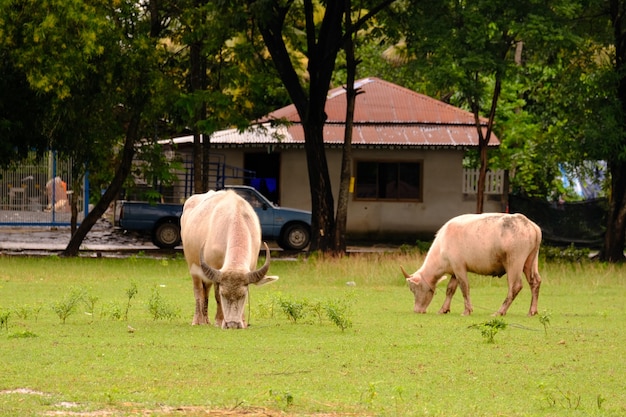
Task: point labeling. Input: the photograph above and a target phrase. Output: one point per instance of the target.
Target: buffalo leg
(219, 314)
(201, 292)
(534, 280)
(450, 290)
(464, 284)
(515, 286)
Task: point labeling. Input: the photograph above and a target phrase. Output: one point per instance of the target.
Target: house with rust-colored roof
(407, 170)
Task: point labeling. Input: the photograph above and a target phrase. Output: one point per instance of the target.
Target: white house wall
(442, 191)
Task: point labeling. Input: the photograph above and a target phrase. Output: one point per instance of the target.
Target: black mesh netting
(579, 223)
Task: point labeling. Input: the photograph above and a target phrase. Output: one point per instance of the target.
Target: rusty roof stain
(386, 114)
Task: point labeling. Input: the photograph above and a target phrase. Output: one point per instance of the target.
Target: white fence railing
(494, 181)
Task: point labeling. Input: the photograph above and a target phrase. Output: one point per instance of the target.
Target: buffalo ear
(414, 280)
(266, 280)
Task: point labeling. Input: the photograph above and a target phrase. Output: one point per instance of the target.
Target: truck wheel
(295, 237)
(166, 235)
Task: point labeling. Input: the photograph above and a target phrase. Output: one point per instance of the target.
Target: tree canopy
(94, 80)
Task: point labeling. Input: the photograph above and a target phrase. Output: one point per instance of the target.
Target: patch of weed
(489, 329)
(68, 304)
(338, 312)
(4, 319)
(24, 334)
(131, 292)
(159, 308)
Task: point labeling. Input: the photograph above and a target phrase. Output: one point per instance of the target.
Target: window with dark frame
(388, 181)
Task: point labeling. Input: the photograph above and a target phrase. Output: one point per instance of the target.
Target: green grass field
(127, 348)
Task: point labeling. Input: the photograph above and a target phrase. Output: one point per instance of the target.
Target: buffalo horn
(256, 276)
(406, 275)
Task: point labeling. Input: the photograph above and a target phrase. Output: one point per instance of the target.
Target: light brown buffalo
(221, 238)
(487, 244)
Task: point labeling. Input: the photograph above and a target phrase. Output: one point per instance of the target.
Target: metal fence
(37, 193)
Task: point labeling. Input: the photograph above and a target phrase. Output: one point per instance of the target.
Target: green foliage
(111, 310)
(489, 329)
(544, 319)
(338, 312)
(422, 246)
(68, 304)
(293, 309)
(297, 311)
(159, 308)
(131, 292)
(565, 254)
(282, 400)
(90, 304)
(24, 334)
(4, 318)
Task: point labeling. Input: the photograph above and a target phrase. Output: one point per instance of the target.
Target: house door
(267, 168)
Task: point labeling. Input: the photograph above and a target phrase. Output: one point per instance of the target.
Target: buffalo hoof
(197, 321)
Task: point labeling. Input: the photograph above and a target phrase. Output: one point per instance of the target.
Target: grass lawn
(316, 345)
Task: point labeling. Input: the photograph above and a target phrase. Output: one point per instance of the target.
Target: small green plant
(337, 311)
(36, 310)
(4, 318)
(544, 319)
(265, 308)
(131, 292)
(369, 395)
(159, 308)
(282, 399)
(25, 311)
(22, 312)
(111, 310)
(90, 303)
(490, 328)
(317, 308)
(571, 399)
(399, 399)
(67, 306)
(294, 310)
(24, 334)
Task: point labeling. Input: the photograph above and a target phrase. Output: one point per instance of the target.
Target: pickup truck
(290, 228)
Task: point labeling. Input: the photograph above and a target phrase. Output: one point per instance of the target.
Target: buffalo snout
(233, 325)
(419, 310)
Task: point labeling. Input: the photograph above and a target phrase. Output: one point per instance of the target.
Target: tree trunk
(322, 218)
(616, 224)
(322, 49)
(613, 250)
(195, 85)
(122, 172)
(341, 218)
(482, 176)
(483, 141)
(76, 191)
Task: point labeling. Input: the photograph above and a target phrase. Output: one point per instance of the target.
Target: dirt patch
(194, 411)
(130, 409)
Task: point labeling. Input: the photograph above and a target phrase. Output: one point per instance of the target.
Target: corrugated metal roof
(385, 114)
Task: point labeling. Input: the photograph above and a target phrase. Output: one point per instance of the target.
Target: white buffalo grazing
(487, 244)
(221, 238)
